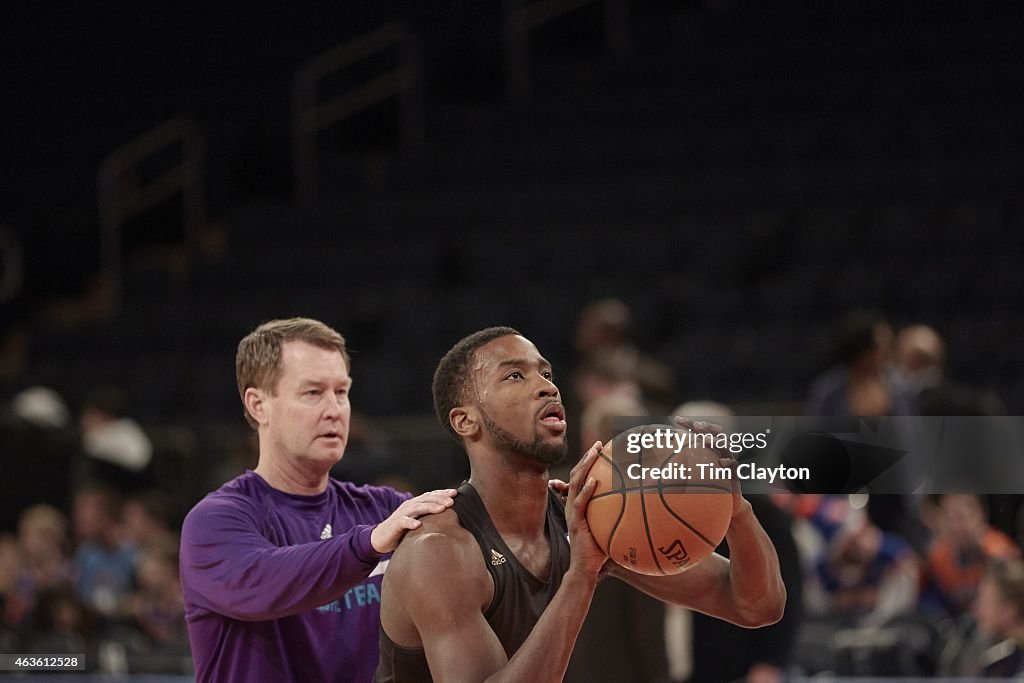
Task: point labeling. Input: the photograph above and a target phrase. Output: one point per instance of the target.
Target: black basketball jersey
(519, 596)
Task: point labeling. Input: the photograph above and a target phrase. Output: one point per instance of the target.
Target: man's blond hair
(258, 361)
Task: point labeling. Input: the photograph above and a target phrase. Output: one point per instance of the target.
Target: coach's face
(307, 418)
(517, 401)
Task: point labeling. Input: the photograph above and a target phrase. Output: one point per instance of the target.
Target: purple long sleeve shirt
(281, 587)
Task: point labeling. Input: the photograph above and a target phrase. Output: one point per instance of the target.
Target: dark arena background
(746, 203)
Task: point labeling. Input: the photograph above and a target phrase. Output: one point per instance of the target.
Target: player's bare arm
(746, 590)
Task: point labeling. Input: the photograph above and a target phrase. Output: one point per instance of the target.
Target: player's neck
(516, 498)
(290, 477)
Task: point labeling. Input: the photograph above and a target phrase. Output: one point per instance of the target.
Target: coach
(281, 567)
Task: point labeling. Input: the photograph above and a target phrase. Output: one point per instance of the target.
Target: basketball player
(490, 589)
(280, 567)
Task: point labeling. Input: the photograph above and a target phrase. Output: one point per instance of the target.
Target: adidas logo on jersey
(326, 533)
(497, 558)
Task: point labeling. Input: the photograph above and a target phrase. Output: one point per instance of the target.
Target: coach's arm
(229, 566)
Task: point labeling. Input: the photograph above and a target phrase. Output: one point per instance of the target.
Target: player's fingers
(699, 425)
(579, 473)
(732, 464)
(714, 428)
(574, 473)
(708, 427)
(585, 493)
(590, 458)
(583, 466)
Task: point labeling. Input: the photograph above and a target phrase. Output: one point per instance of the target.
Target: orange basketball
(651, 523)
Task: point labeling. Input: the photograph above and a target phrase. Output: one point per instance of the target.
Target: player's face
(309, 413)
(518, 401)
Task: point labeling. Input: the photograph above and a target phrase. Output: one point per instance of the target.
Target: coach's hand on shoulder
(387, 534)
(587, 556)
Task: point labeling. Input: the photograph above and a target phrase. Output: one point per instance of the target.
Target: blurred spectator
(989, 641)
(823, 515)
(62, 624)
(38, 446)
(860, 383)
(104, 564)
(146, 519)
(999, 610)
(157, 605)
(594, 380)
(763, 655)
(868, 576)
(921, 367)
(118, 452)
(43, 540)
(596, 421)
(622, 637)
(920, 357)
(14, 603)
(603, 338)
(603, 376)
(602, 327)
(964, 545)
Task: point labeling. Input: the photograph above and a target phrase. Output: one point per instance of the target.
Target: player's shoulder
(441, 531)
(440, 538)
(439, 555)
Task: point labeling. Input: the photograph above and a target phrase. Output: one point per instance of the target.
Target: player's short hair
(258, 361)
(452, 374)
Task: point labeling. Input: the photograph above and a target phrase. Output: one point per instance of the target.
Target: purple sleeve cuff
(362, 547)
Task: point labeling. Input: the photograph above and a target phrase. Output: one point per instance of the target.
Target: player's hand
(586, 554)
(739, 503)
(560, 488)
(387, 534)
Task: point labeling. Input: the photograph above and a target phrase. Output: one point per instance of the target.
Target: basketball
(660, 506)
